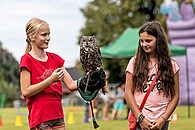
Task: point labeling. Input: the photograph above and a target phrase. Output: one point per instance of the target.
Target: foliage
(9, 66)
(9, 76)
(10, 91)
(107, 19)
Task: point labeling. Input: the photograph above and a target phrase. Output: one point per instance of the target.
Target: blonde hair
(32, 28)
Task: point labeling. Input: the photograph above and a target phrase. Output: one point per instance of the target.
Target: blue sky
(63, 16)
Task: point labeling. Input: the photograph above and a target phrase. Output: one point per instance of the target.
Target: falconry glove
(91, 83)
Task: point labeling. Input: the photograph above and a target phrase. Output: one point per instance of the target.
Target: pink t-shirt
(45, 105)
(156, 103)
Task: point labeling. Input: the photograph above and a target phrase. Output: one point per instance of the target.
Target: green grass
(183, 122)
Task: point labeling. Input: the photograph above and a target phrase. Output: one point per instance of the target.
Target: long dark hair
(165, 69)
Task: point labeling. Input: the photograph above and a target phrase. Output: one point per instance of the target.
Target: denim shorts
(49, 125)
(119, 106)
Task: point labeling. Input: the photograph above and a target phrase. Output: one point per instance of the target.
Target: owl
(90, 55)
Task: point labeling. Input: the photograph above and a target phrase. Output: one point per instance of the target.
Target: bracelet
(164, 119)
(140, 118)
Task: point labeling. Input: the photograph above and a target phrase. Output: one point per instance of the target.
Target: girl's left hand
(57, 75)
(158, 124)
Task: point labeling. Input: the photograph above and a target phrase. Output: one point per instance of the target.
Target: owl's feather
(90, 55)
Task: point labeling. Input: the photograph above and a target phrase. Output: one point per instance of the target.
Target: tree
(9, 66)
(10, 91)
(108, 18)
(9, 76)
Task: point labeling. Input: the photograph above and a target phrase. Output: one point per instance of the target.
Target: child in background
(118, 102)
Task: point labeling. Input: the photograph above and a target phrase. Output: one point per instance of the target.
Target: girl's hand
(145, 124)
(158, 124)
(57, 75)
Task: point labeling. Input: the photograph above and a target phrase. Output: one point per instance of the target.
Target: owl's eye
(90, 39)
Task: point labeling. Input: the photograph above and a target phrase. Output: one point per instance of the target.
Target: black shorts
(49, 125)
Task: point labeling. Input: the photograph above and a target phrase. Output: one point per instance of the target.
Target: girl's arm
(70, 83)
(174, 99)
(129, 96)
(29, 90)
(171, 106)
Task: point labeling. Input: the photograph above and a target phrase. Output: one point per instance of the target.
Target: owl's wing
(99, 57)
(81, 56)
(99, 52)
(83, 59)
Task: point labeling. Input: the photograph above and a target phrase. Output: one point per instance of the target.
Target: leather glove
(91, 83)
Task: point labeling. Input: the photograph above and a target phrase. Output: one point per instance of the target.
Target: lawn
(183, 122)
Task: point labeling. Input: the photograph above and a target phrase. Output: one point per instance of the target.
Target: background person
(118, 106)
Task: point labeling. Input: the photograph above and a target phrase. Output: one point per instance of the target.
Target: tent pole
(188, 87)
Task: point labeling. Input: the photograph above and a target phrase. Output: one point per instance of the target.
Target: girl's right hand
(145, 124)
(57, 75)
